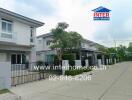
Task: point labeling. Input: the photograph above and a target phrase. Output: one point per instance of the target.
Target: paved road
(115, 83)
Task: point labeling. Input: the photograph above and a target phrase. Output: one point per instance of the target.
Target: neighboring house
(44, 52)
(89, 50)
(17, 38)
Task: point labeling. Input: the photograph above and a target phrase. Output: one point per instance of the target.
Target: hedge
(76, 71)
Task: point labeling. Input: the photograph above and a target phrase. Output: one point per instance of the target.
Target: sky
(78, 14)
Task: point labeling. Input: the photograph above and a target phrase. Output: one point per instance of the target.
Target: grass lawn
(4, 91)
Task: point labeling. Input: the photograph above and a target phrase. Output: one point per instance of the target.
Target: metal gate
(21, 73)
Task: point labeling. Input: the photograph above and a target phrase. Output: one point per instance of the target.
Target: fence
(24, 73)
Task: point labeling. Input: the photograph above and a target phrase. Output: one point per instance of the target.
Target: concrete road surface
(115, 83)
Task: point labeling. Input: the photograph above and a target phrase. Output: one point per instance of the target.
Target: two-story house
(89, 50)
(44, 52)
(17, 37)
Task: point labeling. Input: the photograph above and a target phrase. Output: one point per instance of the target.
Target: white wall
(43, 46)
(86, 45)
(21, 33)
(39, 44)
(5, 75)
(3, 57)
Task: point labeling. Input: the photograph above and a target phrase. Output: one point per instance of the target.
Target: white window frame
(7, 22)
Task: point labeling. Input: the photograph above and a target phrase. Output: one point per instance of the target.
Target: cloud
(39, 7)
(7, 4)
(78, 14)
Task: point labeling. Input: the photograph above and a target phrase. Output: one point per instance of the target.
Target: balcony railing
(6, 37)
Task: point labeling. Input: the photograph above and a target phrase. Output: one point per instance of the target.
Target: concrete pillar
(95, 59)
(87, 62)
(65, 66)
(5, 75)
(107, 61)
(115, 60)
(32, 58)
(103, 60)
(99, 62)
(78, 63)
(111, 60)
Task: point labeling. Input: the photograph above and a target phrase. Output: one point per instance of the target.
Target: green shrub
(73, 72)
(40, 63)
(4, 91)
(87, 70)
(56, 60)
(70, 57)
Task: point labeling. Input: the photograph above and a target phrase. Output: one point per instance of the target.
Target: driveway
(115, 83)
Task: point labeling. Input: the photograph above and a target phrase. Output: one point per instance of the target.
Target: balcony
(9, 38)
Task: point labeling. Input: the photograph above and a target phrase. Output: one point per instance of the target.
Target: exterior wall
(43, 49)
(5, 75)
(42, 44)
(32, 56)
(3, 57)
(21, 34)
(42, 56)
(87, 46)
(6, 56)
(39, 44)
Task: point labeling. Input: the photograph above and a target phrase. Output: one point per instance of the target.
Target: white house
(89, 50)
(17, 37)
(44, 52)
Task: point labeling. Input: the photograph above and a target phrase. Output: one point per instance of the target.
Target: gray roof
(93, 43)
(89, 42)
(12, 15)
(84, 40)
(45, 35)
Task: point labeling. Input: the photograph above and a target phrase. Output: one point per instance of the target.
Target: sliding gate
(21, 73)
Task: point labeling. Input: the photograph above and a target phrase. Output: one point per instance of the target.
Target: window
(48, 42)
(18, 59)
(6, 26)
(31, 34)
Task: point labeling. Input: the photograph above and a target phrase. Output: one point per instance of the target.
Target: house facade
(17, 38)
(89, 50)
(44, 52)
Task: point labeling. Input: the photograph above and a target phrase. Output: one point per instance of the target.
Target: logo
(101, 13)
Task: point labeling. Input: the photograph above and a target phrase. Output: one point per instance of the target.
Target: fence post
(5, 75)
(99, 62)
(65, 66)
(78, 64)
(87, 62)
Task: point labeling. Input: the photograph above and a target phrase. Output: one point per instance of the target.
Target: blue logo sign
(101, 13)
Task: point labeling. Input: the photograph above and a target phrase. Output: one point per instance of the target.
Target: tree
(129, 49)
(121, 52)
(64, 40)
(74, 40)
